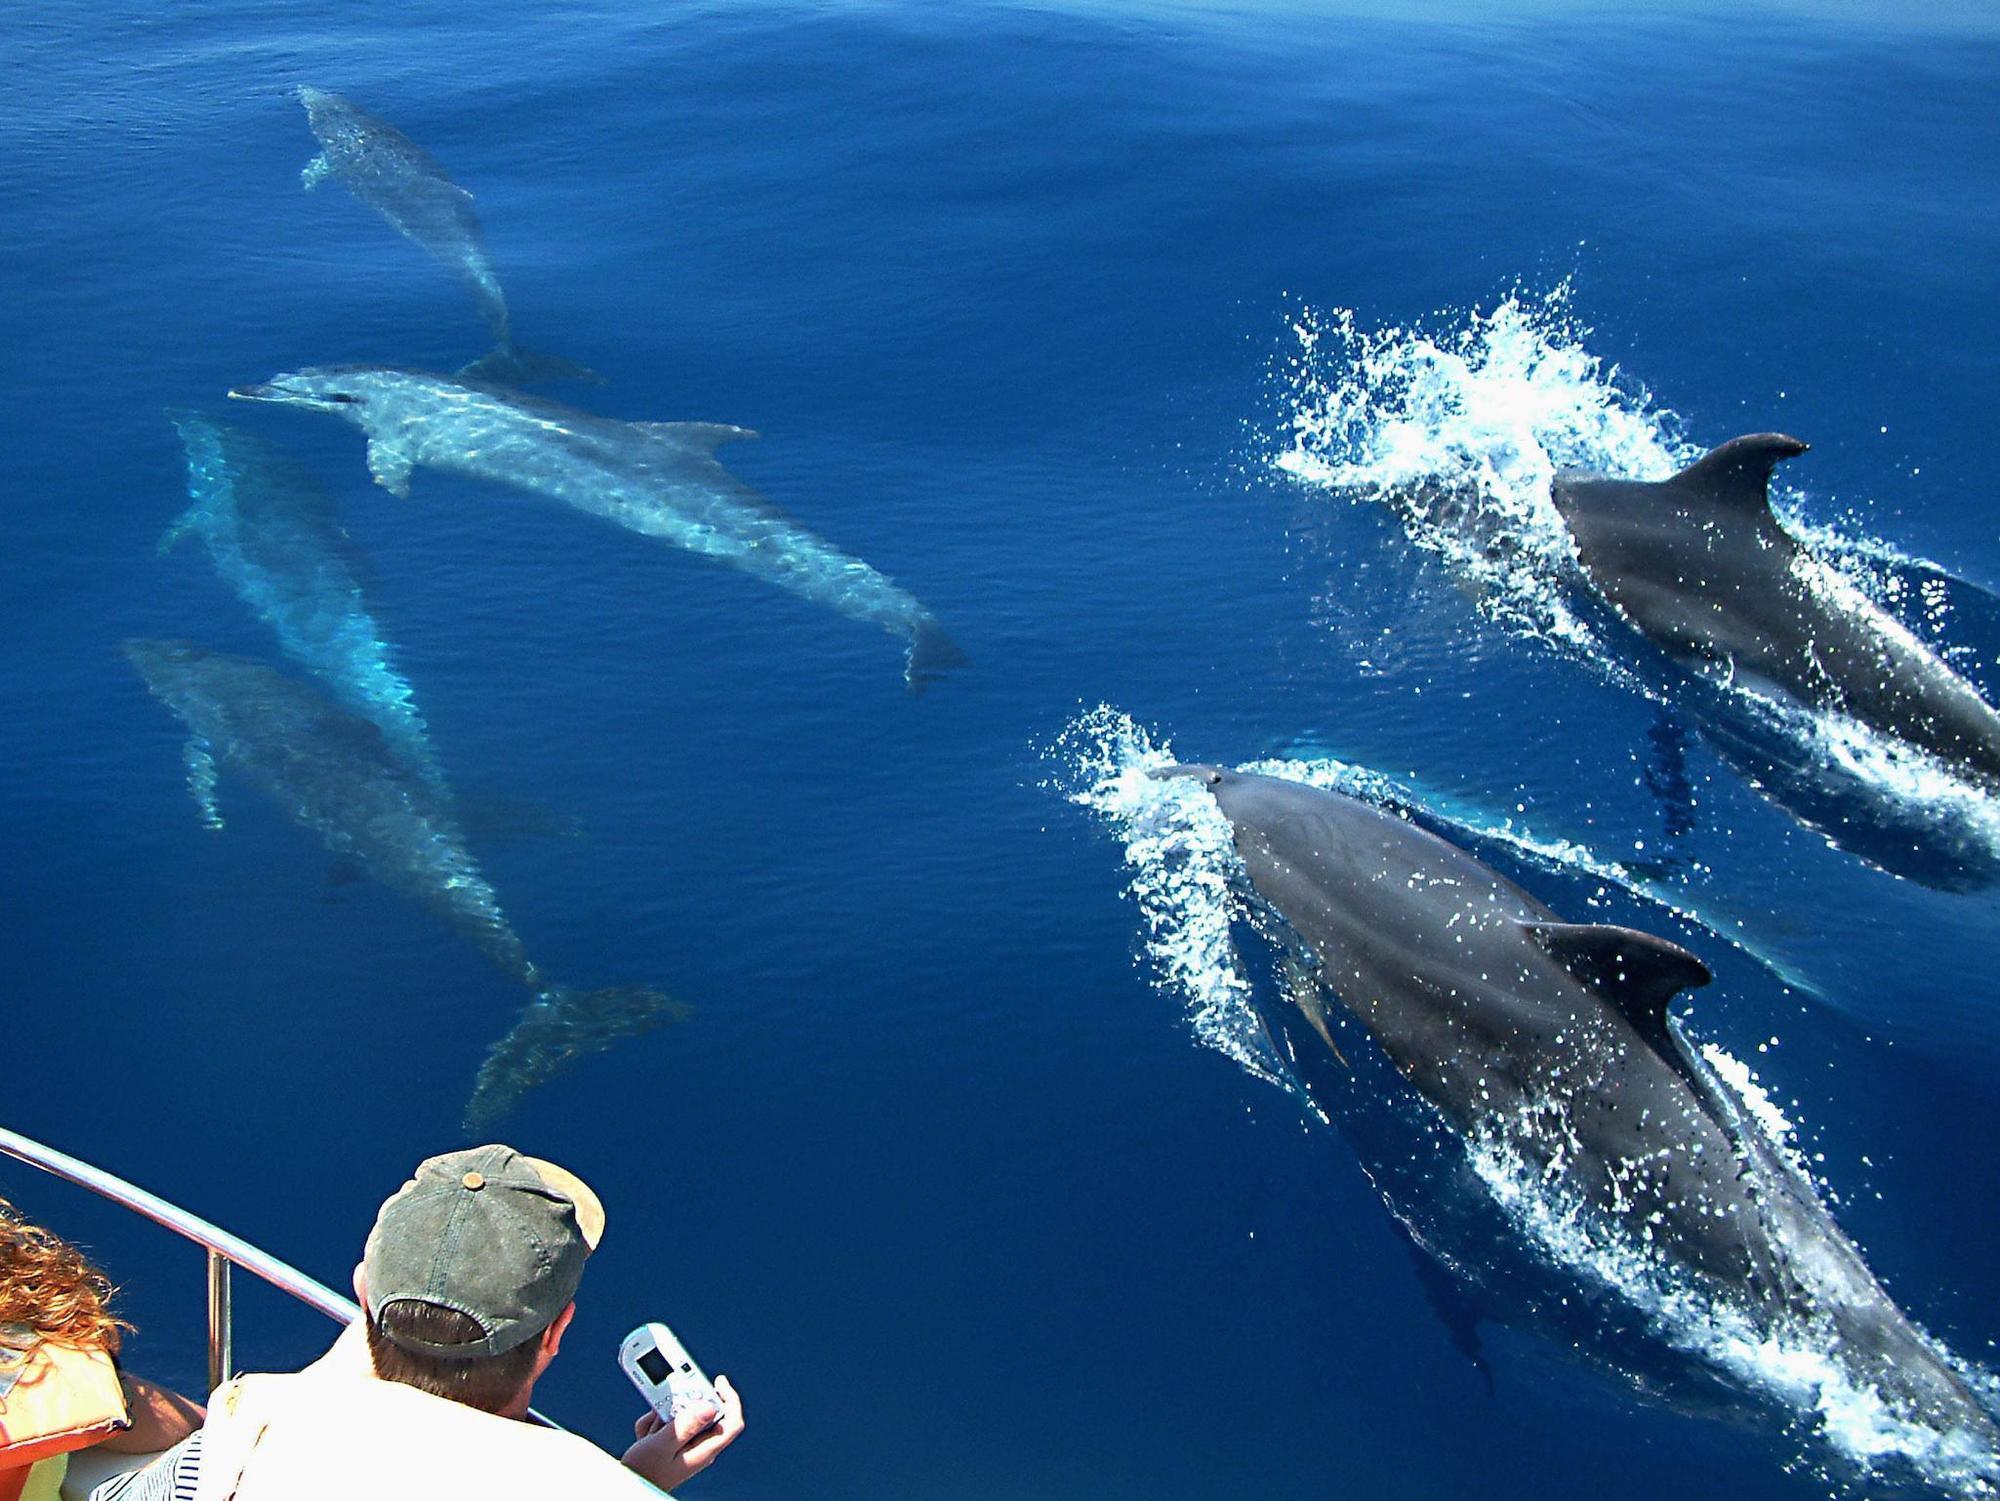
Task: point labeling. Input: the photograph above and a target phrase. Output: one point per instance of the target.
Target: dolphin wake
(1460, 429)
(1185, 878)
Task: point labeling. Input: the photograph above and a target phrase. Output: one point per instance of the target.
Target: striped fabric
(171, 1477)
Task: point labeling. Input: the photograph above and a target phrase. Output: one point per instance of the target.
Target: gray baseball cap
(498, 1236)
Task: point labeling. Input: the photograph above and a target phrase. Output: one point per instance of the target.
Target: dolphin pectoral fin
(315, 172)
(1738, 474)
(1448, 1299)
(1303, 987)
(1666, 776)
(706, 436)
(200, 764)
(1635, 972)
(391, 467)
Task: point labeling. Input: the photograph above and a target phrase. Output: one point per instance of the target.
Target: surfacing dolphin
(660, 479)
(397, 178)
(1704, 569)
(1550, 1044)
(338, 775)
(276, 539)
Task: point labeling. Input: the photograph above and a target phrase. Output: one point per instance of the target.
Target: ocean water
(1112, 332)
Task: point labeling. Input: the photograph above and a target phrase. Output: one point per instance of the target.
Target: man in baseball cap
(469, 1263)
(467, 1285)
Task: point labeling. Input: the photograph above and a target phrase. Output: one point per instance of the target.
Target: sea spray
(1459, 429)
(1185, 879)
(1179, 853)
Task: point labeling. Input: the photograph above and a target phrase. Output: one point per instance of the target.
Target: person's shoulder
(602, 1470)
(531, 1457)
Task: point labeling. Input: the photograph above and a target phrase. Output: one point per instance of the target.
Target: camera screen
(654, 1364)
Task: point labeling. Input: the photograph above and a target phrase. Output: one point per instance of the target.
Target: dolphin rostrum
(397, 178)
(660, 479)
(1701, 566)
(277, 541)
(1550, 1043)
(338, 775)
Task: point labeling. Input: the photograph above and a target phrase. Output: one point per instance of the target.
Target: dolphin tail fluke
(511, 365)
(559, 1027)
(932, 655)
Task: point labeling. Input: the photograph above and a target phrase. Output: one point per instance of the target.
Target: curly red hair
(46, 1283)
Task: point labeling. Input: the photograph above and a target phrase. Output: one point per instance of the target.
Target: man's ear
(552, 1336)
(360, 1286)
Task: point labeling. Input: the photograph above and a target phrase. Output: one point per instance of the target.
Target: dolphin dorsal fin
(1633, 971)
(1738, 474)
(707, 436)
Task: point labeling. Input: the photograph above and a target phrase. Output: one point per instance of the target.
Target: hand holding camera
(690, 1419)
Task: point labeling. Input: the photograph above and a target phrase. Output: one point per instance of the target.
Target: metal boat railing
(224, 1250)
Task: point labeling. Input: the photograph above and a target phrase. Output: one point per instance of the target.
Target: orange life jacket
(53, 1398)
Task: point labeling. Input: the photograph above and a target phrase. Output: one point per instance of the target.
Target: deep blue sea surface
(1102, 328)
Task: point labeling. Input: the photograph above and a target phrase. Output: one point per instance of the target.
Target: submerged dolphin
(276, 540)
(397, 178)
(1701, 566)
(660, 479)
(1551, 1044)
(338, 775)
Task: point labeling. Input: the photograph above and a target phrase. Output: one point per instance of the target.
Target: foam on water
(1911, 587)
(1179, 851)
(1921, 790)
(1183, 873)
(1460, 430)
(1790, 1360)
(1181, 861)
(1764, 1111)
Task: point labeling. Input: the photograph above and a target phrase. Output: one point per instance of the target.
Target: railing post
(223, 1250)
(221, 1362)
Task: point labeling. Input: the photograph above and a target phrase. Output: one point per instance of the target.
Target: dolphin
(1700, 565)
(277, 541)
(397, 178)
(337, 774)
(660, 479)
(1552, 1044)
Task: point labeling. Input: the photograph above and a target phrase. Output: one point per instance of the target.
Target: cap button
(474, 1180)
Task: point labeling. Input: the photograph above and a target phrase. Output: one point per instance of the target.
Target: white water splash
(1909, 587)
(1544, 851)
(1791, 1360)
(1181, 859)
(1461, 432)
(1183, 869)
(1917, 788)
(1758, 1104)
(1461, 429)
(1178, 847)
